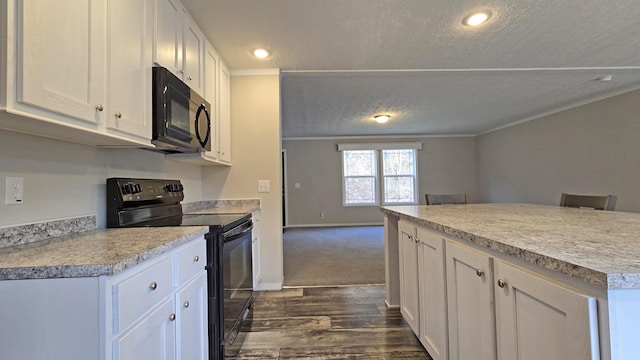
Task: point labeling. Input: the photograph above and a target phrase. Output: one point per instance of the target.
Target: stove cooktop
(223, 222)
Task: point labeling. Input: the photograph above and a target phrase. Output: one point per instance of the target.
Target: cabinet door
(225, 114)
(470, 304)
(432, 293)
(255, 233)
(540, 319)
(61, 56)
(129, 56)
(168, 35)
(192, 335)
(152, 338)
(193, 47)
(408, 251)
(211, 60)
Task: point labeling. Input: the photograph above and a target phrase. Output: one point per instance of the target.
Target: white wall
(445, 165)
(63, 179)
(255, 155)
(591, 149)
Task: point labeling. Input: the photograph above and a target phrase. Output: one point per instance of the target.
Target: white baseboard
(391, 306)
(331, 225)
(268, 286)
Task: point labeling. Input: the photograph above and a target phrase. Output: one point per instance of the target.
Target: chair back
(440, 199)
(597, 202)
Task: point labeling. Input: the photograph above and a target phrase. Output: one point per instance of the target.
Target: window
(360, 177)
(371, 175)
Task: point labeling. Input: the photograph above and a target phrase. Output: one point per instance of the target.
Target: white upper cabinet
(224, 129)
(193, 54)
(129, 53)
(179, 44)
(61, 63)
(78, 70)
(168, 35)
(211, 83)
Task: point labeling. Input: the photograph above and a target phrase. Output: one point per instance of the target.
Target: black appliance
(156, 203)
(181, 121)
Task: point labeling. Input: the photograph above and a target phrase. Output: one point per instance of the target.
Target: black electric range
(156, 203)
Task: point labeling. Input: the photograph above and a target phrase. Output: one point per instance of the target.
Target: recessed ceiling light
(260, 53)
(477, 18)
(381, 118)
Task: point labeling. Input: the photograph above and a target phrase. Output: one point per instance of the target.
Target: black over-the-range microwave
(181, 121)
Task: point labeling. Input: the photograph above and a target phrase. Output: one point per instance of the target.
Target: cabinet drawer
(189, 261)
(136, 295)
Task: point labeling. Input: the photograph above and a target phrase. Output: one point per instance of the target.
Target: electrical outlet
(13, 190)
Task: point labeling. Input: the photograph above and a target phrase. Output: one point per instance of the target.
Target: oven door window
(178, 119)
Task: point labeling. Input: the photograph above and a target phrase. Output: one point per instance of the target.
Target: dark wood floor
(328, 323)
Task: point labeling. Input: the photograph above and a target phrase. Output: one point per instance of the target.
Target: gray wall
(445, 165)
(591, 149)
(63, 179)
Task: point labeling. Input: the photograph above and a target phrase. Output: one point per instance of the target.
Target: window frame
(379, 176)
(383, 177)
(376, 185)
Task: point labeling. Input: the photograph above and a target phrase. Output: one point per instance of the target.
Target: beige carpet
(334, 256)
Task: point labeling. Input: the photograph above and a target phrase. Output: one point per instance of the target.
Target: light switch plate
(13, 190)
(264, 186)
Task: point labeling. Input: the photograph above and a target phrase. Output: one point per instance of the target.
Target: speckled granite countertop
(242, 206)
(600, 247)
(92, 253)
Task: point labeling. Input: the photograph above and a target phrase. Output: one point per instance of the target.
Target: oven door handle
(246, 228)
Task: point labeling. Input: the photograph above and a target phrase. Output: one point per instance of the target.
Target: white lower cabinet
(256, 249)
(408, 274)
(422, 287)
(173, 327)
(470, 299)
(154, 310)
(463, 303)
(432, 295)
(540, 319)
(151, 338)
(191, 304)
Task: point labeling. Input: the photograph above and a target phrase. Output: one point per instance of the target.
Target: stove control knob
(180, 187)
(137, 188)
(127, 189)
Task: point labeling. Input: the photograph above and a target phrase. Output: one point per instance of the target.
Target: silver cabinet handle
(172, 317)
(118, 115)
(153, 285)
(99, 107)
(501, 283)
(186, 304)
(196, 258)
(479, 272)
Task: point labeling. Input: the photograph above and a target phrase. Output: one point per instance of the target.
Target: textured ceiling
(343, 61)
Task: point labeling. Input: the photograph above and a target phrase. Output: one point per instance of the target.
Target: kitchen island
(513, 252)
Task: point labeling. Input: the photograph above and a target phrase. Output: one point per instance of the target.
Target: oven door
(237, 275)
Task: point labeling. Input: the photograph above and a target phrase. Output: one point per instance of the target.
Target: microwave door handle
(206, 113)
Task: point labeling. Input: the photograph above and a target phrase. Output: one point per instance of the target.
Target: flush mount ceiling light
(604, 78)
(476, 18)
(260, 53)
(381, 118)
